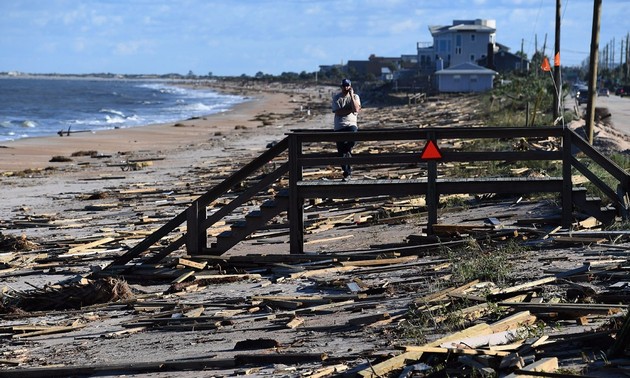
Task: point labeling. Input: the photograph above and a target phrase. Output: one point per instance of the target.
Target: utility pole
(592, 79)
(556, 69)
(621, 59)
(522, 55)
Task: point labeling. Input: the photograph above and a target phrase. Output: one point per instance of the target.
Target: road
(619, 108)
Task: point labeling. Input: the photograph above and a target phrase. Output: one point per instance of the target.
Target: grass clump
(474, 261)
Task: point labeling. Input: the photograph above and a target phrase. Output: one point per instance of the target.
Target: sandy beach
(246, 118)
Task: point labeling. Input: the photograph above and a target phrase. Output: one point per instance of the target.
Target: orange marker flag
(545, 64)
(556, 60)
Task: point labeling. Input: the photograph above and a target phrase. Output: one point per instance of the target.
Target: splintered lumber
(573, 310)
(227, 277)
(320, 272)
(443, 294)
(465, 351)
(31, 331)
(525, 286)
(556, 229)
(446, 229)
(326, 240)
(295, 322)
(328, 370)
(513, 321)
(476, 330)
(394, 363)
(577, 240)
(135, 367)
(548, 365)
(95, 243)
(369, 319)
(379, 262)
(399, 361)
(192, 264)
(279, 358)
(182, 277)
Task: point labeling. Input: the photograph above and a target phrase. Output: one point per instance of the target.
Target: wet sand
(36, 153)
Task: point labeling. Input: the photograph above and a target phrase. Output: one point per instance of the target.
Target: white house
(465, 77)
(463, 41)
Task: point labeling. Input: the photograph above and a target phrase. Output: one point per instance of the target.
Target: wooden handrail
(199, 222)
(201, 202)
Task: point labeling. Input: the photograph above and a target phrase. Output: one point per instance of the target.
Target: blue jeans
(344, 148)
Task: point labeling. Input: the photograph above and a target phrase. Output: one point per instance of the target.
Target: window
(472, 37)
(458, 50)
(444, 45)
(472, 57)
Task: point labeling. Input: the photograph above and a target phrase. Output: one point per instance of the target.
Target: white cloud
(133, 47)
(315, 51)
(79, 44)
(405, 26)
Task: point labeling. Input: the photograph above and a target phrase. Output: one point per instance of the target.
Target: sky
(235, 37)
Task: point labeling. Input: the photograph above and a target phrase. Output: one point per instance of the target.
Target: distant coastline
(30, 106)
(171, 76)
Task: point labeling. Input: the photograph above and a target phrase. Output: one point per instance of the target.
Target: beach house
(455, 53)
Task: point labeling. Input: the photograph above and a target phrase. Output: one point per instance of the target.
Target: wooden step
(593, 206)
(253, 221)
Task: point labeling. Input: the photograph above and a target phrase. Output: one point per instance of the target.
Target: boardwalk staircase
(592, 206)
(283, 163)
(253, 221)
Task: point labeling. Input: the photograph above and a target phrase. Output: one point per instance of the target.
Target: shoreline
(35, 153)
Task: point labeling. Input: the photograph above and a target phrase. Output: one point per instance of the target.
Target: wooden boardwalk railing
(431, 186)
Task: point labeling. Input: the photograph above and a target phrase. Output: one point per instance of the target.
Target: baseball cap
(345, 83)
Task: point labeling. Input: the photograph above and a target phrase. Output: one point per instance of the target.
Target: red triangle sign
(430, 151)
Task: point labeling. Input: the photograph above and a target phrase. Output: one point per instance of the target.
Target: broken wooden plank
(95, 243)
(525, 286)
(389, 365)
(466, 351)
(549, 365)
(192, 264)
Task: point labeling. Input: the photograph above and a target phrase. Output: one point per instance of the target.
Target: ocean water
(35, 107)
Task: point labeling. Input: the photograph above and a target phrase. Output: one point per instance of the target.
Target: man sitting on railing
(346, 106)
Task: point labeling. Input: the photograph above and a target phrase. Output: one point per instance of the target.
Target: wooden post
(556, 69)
(432, 199)
(567, 185)
(296, 206)
(192, 229)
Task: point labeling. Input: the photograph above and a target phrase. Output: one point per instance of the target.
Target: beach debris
(69, 131)
(60, 159)
(73, 295)
(16, 243)
(402, 307)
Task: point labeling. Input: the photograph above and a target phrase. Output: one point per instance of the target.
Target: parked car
(582, 95)
(623, 90)
(603, 92)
